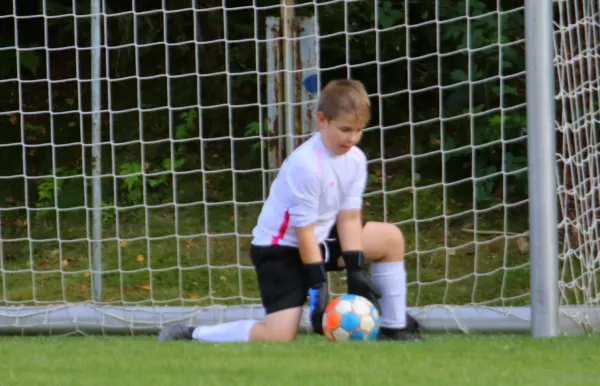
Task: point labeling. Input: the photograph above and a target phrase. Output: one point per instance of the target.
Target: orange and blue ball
(351, 317)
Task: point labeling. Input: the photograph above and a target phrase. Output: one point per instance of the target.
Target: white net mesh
(578, 77)
(193, 127)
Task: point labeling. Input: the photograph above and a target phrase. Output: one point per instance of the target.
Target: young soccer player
(311, 223)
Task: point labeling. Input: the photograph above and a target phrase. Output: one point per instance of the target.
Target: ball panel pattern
(350, 317)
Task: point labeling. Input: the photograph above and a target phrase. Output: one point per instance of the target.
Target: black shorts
(280, 272)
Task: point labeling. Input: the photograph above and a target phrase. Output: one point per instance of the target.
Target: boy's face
(340, 134)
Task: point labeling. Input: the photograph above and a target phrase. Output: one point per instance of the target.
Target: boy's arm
(349, 227)
(308, 245)
(315, 275)
(305, 188)
(350, 234)
(349, 219)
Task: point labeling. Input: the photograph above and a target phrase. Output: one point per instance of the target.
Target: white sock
(237, 331)
(390, 278)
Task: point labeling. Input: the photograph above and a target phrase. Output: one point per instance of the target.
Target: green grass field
(191, 255)
(441, 360)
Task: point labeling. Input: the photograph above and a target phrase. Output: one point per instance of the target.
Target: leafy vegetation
(183, 163)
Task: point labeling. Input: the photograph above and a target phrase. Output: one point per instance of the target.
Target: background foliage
(448, 91)
(466, 81)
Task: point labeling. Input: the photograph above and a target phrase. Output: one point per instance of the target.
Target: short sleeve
(304, 192)
(353, 197)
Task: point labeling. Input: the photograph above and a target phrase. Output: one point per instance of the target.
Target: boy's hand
(359, 283)
(318, 299)
(318, 294)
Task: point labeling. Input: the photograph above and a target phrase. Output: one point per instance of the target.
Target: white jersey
(313, 186)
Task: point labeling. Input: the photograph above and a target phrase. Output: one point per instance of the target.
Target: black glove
(359, 283)
(318, 294)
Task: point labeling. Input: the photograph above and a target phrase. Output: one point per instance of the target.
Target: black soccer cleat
(412, 325)
(400, 334)
(176, 332)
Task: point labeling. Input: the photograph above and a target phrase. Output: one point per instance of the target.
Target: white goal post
(137, 145)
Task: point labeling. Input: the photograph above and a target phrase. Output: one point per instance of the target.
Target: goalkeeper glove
(359, 283)
(318, 294)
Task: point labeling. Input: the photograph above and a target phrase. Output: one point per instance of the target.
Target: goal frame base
(91, 319)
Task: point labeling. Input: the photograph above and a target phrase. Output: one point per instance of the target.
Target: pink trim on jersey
(319, 157)
(282, 228)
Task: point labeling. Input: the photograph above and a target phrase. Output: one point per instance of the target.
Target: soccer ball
(350, 317)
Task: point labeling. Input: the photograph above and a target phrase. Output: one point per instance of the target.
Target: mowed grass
(441, 360)
(197, 253)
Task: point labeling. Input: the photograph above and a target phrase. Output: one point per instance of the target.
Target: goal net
(139, 139)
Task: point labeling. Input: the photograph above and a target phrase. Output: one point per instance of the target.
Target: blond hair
(345, 97)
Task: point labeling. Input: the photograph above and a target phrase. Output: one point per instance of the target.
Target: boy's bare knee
(384, 242)
(279, 334)
(281, 326)
(283, 336)
(267, 332)
(395, 243)
(397, 237)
